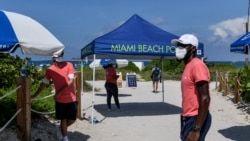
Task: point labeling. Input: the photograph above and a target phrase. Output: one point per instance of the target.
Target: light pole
(247, 26)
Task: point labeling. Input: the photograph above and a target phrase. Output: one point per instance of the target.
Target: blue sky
(216, 23)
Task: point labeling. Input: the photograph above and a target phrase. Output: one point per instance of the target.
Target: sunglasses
(184, 45)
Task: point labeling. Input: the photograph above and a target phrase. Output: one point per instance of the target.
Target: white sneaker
(59, 132)
(65, 138)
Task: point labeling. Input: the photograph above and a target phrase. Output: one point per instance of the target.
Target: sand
(145, 116)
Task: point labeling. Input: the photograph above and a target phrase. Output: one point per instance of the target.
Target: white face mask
(180, 52)
(59, 59)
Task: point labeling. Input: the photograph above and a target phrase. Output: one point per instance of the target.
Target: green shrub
(8, 106)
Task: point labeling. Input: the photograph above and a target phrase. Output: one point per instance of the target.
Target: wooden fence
(23, 102)
(225, 88)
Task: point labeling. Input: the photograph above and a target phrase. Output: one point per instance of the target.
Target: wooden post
(78, 94)
(221, 83)
(226, 88)
(216, 79)
(237, 90)
(23, 102)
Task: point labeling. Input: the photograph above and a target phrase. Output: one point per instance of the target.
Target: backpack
(156, 73)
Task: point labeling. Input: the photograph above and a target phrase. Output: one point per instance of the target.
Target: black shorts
(155, 80)
(66, 110)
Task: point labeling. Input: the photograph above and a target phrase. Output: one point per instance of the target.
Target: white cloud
(158, 21)
(229, 29)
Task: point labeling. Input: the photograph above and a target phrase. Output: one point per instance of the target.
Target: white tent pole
(93, 91)
(81, 76)
(82, 88)
(162, 79)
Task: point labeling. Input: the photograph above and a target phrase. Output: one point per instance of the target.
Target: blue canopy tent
(241, 45)
(135, 39)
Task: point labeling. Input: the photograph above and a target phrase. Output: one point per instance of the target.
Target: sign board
(131, 80)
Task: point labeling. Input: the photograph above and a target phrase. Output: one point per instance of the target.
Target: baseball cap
(186, 39)
(55, 56)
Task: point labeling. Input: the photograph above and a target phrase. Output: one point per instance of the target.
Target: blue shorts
(189, 122)
(66, 110)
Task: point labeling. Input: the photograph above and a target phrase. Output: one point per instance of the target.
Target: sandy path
(147, 116)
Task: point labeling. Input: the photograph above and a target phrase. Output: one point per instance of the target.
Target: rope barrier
(48, 96)
(6, 124)
(11, 119)
(42, 113)
(11, 92)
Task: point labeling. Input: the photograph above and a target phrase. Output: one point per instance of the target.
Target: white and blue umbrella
(101, 63)
(17, 30)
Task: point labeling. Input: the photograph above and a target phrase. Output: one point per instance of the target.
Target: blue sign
(131, 80)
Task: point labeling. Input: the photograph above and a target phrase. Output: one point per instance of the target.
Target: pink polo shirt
(194, 71)
(60, 77)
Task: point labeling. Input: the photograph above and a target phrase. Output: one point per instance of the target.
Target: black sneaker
(119, 110)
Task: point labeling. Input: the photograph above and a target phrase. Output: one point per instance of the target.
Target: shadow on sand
(236, 133)
(77, 136)
(139, 109)
(120, 95)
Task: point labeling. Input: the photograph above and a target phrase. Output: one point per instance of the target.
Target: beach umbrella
(102, 63)
(17, 30)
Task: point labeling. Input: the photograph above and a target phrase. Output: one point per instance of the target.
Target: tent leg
(93, 92)
(162, 79)
(82, 76)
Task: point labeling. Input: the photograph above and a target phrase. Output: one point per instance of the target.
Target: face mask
(180, 53)
(59, 59)
(114, 66)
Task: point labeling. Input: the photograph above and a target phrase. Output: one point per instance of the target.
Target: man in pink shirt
(195, 117)
(62, 75)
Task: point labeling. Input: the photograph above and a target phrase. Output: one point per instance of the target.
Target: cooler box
(119, 80)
